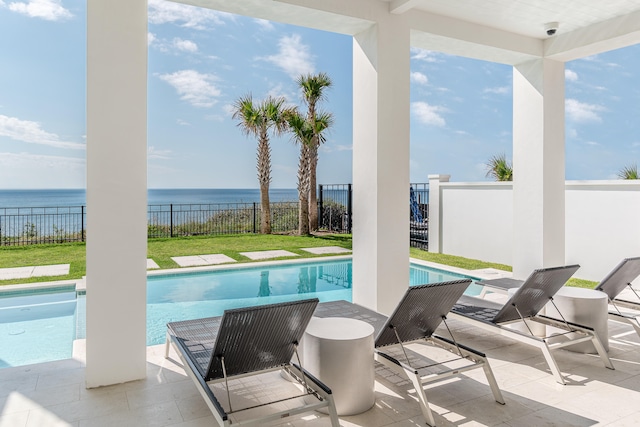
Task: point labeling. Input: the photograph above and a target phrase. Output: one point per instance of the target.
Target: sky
(201, 61)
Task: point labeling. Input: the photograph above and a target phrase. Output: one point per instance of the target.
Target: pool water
(37, 327)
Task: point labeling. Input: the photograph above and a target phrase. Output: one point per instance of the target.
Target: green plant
(499, 168)
(629, 172)
(259, 120)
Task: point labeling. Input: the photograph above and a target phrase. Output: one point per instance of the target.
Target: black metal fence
(335, 207)
(419, 219)
(174, 220)
(23, 226)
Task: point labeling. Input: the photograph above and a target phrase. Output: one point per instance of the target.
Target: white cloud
(502, 90)
(193, 87)
(428, 114)
(264, 24)
(31, 132)
(419, 78)
(163, 12)
(26, 170)
(583, 112)
(185, 45)
(570, 76)
(183, 122)
(49, 10)
(293, 56)
(154, 153)
(424, 55)
(150, 38)
(592, 143)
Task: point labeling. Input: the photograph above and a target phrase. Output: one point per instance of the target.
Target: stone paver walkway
(327, 250)
(151, 264)
(195, 260)
(38, 271)
(267, 254)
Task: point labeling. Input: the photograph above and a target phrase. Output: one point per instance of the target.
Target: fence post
(254, 217)
(171, 220)
(349, 199)
(320, 208)
(82, 223)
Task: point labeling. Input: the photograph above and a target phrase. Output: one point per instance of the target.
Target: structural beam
(116, 191)
(381, 164)
(538, 166)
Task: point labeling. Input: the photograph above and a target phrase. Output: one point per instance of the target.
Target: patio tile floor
(53, 394)
(196, 260)
(327, 250)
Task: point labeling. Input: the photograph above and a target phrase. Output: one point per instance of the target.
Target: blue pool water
(41, 326)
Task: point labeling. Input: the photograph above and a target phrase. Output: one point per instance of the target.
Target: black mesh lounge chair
(615, 282)
(415, 319)
(244, 342)
(525, 304)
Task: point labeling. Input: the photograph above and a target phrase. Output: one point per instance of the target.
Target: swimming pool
(37, 326)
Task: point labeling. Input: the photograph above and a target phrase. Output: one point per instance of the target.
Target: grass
(161, 251)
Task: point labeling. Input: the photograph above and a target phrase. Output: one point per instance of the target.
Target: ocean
(77, 197)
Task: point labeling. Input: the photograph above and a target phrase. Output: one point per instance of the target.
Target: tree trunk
(265, 211)
(313, 195)
(264, 178)
(303, 191)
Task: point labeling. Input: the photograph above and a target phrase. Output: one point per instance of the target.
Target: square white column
(116, 191)
(381, 164)
(538, 166)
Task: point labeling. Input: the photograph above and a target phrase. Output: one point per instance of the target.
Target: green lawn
(161, 251)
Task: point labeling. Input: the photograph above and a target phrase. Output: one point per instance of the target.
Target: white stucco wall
(602, 224)
(477, 220)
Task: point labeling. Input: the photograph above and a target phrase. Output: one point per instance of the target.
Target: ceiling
(526, 18)
(504, 31)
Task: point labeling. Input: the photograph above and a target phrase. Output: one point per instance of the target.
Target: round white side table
(586, 307)
(339, 351)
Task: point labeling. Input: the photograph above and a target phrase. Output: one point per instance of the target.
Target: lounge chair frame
(614, 283)
(272, 329)
(524, 306)
(414, 320)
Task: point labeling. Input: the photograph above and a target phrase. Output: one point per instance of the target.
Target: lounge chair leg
(601, 351)
(333, 413)
(555, 370)
(166, 347)
(497, 394)
(422, 397)
(636, 325)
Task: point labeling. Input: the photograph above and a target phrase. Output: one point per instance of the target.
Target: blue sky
(201, 61)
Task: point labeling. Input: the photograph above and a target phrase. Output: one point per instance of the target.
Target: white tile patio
(196, 260)
(267, 254)
(321, 250)
(53, 394)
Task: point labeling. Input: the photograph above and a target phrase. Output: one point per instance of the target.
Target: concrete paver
(267, 254)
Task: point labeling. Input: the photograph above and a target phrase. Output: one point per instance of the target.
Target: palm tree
(302, 134)
(313, 90)
(499, 168)
(259, 120)
(629, 172)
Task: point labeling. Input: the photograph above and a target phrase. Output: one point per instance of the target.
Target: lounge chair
(245, 342)
(614, 283)
(524, 306)
(415, 319)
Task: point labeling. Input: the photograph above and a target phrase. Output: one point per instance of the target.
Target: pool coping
(80, 284)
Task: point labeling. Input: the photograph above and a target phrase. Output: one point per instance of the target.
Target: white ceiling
(505, 31)
(523, 17)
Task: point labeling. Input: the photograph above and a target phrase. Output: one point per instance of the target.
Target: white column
(381, 164)
(435, 222)
(538, 166)
(116, 190)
